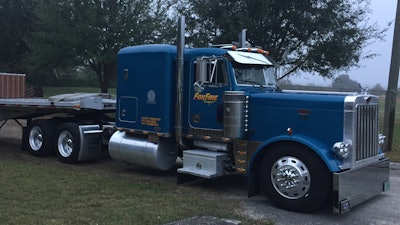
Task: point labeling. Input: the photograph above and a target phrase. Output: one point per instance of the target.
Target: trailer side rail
(31, 107)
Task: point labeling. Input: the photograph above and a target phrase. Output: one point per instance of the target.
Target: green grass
(45, 192)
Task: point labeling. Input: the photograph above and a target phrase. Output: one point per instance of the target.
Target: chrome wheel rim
(290, 177)
(65, 144)
(36, 138)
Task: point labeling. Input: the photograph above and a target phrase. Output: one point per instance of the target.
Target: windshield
(247, 74)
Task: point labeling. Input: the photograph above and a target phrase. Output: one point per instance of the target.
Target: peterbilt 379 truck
(222, 112)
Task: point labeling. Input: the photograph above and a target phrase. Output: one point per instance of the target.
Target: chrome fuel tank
(138, 150)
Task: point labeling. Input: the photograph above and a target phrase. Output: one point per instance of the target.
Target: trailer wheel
(68, 143)
(39, 141)
(294, 178)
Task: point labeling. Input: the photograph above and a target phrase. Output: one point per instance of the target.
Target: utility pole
(391, 93)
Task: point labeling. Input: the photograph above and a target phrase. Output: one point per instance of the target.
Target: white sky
(371, 71)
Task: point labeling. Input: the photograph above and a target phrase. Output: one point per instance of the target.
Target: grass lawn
(48, 192)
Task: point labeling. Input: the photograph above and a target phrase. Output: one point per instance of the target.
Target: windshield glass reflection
(254, 75)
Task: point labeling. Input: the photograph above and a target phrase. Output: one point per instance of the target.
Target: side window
(216, 72)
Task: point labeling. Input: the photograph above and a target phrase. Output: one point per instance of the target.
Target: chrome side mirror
(201, 70)
(201, 75)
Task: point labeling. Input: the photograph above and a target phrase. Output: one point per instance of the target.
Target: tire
(68, 143)
(294, 178)
(40, 137)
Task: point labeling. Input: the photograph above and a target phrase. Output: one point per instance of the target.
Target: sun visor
(249, 58)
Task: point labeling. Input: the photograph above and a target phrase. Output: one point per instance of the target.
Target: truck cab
(212, 76)
(298, 148)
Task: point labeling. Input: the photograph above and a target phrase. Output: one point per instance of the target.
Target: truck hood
(308, 115)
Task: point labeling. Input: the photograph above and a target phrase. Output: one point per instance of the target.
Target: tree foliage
(15, 25)
(58, 37)
(344, 83)
(91, 32)
(377, 90)
(317, 36)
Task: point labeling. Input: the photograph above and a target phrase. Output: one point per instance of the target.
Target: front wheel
(294, 178)
(68, 143)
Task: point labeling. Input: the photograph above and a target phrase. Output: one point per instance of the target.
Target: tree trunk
(108, 74)
(105, 71)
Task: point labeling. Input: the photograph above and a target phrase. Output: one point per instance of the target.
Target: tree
(69, 33)
(15, 24)
(52, 43)
(316, 36)
(344, 83)
(377, 90)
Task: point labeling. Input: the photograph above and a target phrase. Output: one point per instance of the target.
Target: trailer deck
(26, 108)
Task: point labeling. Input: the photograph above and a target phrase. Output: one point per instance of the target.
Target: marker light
(342, 149)
(261, 51)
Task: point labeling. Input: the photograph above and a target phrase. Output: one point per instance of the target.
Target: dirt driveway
(384, 209)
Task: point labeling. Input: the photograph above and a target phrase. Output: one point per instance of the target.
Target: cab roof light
(235, 47)
(255, 50)
(229, 47)
(261, 51)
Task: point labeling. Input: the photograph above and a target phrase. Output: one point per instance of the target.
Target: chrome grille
(366, 131)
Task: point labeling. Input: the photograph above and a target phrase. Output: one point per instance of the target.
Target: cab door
(209, 82)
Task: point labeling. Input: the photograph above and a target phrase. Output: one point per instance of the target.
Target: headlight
(342, 149)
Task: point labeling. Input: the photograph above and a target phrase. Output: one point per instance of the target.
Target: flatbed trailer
(71, 125)
(76, 103)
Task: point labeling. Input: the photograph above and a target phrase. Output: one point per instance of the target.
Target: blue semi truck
(222, 112)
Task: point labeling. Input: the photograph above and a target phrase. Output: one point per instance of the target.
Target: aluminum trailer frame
(77, 103)
(81, 121)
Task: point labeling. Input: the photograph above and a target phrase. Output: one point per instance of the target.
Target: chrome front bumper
(354, 187)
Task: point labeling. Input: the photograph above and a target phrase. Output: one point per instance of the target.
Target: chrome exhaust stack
(179, 82)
